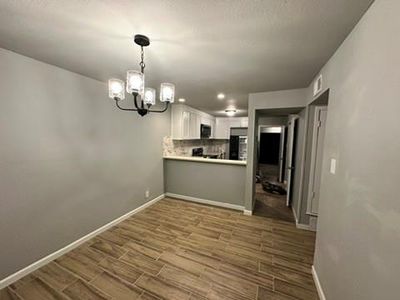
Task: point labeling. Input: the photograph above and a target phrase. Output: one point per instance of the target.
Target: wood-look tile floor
(181, 250)
(272, 206)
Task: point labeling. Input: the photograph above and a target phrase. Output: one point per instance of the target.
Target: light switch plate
(333, 166)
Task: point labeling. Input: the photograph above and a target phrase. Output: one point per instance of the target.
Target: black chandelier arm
(160, 111)
(142, 110)
(135, 99)
(123, 108)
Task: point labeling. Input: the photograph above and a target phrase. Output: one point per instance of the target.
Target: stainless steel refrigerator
(238, 147)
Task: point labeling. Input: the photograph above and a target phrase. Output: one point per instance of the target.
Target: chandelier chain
(142, 64)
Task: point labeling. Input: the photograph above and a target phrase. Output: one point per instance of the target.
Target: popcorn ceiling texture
(200, 46)
(184, 147)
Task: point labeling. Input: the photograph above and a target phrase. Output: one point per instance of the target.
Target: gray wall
(275, 121)
(210, 181)
(358, 238)
(70, 162)
(260, 101)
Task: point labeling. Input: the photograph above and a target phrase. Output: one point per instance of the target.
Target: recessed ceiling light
(221, 96)
(230, 112)
(181, 100)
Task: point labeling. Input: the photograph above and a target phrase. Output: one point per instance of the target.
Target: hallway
(272, 206)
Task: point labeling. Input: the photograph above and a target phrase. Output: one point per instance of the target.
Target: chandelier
(135, 86)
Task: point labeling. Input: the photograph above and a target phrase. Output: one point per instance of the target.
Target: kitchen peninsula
(193, 176)
(219, 182)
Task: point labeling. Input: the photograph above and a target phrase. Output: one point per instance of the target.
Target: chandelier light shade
(135, 85)
(135, 82)
(116, 88)
(149, 96)
(167, 92)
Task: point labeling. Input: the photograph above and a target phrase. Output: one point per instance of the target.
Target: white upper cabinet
(224, 125)
(186, 121)
(222, 130)
(244, 122)
(194, 126)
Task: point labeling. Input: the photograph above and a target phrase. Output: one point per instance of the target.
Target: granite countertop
(208, 160)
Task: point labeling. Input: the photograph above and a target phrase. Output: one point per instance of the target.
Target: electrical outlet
(147, 193)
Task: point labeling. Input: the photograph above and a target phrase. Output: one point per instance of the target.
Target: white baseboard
(294, 214)
(205, 201)
(300, 225)
(45, 260)
(303, 226)
(317, 284)
(247, 212)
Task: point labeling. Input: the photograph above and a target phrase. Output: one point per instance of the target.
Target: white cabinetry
(222, 130)
(186, 122)
(224, 125)
(194, 126)
(244, 122)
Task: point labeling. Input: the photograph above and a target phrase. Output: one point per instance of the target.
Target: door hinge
(313, 195)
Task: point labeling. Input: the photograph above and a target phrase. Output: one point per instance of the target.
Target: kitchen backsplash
(184, 147)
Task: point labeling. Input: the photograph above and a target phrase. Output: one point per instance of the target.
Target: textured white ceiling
(203, 46)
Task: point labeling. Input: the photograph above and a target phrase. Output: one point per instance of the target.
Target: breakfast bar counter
(207, 160)
(219, 182)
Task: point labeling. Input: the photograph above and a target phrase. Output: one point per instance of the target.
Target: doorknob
(290, 168)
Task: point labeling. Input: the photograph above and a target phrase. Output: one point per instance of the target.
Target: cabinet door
(222, 130)
(194, 131)
(234, 122)
(244, 122)
(213, 127)
(185, 125)
(205, 121)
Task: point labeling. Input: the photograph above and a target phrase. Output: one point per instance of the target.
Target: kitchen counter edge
(208, 160)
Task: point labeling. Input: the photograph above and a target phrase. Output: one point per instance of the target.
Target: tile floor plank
(161, 288)
(9, 294)
(81, 290)
(295, 291)
(37, 289)
(55, 275)
(142, 262)
(115, 287)
(121, 269)
(185, 280)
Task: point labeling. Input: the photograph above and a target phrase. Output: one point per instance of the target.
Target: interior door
(282, 152)
(291, 151)
(317, 159)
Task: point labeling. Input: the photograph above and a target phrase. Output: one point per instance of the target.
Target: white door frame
(259, 138)
(313, 159)
(290, 153)
(281, 154)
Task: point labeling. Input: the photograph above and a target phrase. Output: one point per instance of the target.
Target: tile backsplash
(184, 147)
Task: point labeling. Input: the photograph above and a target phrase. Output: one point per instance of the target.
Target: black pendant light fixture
(135, 86)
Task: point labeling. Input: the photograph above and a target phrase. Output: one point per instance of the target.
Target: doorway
(276, 150)
(293, 127)
(271, 152)
(318, 136)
